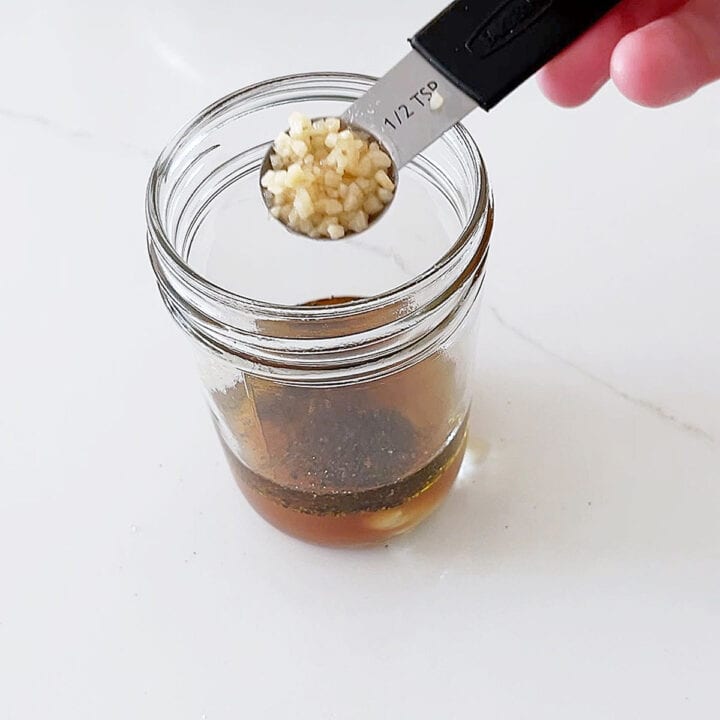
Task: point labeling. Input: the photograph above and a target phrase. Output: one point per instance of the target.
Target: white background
(575, 570)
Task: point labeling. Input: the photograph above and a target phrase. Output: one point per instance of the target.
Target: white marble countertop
(575, 570)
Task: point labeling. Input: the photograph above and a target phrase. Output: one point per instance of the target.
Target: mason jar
(338, 373)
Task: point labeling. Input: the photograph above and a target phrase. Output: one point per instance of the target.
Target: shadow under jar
(337, 372)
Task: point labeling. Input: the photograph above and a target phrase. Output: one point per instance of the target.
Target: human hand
(656, 52)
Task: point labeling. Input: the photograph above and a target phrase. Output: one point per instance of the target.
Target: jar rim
(160, 242)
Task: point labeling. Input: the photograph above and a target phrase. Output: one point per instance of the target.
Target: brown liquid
(345, 465)
(364, 520)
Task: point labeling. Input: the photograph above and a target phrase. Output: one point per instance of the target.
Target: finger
(582, 69)
(671, 58)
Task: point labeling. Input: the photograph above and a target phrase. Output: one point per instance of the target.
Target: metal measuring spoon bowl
(326, 179)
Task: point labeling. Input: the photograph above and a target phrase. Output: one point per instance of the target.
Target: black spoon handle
(489, 47)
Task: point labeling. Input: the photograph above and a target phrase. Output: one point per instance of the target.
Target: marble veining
(648, 405)
(72, 133)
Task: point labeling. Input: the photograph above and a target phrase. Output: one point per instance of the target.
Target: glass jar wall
(337, 372)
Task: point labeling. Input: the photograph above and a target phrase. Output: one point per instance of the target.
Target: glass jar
(337, 372)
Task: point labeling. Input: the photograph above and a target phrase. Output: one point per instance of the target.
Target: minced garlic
(436, 100)
(326, 181)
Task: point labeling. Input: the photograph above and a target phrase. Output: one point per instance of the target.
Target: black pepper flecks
(330, 451)
(353, 449)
